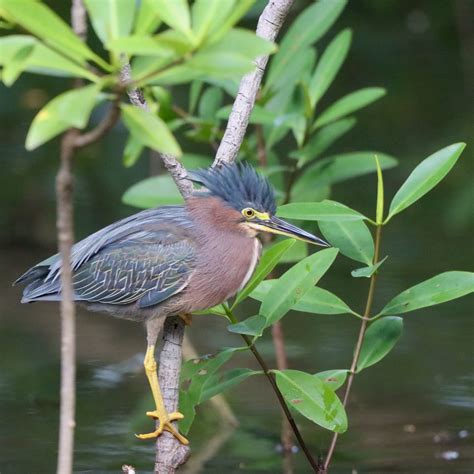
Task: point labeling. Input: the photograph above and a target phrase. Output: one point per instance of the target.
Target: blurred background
(414, 412)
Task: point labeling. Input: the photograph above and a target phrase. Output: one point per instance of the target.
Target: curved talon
(165, 425)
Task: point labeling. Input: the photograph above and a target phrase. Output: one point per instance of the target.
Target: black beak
(279, 226)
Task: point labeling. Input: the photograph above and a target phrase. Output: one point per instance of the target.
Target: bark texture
(269, 24)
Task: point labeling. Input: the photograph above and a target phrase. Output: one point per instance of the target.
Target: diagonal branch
(269, 24)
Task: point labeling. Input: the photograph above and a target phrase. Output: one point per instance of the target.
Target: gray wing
(146, 258)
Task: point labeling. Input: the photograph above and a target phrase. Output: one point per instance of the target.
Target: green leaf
(333, 378)
(367, 272)
(219, 383)
(194, 93)
(439, 289)
(194, 160)
(380, 193)
(70, 109)
(132, 152)
(252, 326)
(352, 238)
(229, 14)
(348, 104)
(16, 65)
(40, 20)
(310, 25)
(322, 140)
(152, 192)
(379, 340)
(210, 102)
(143, 45)
(295, 253)
(175, 14)
(267, 263)
(337, 168)
(425, 177)
(42, 59)
(316, 300)
(195, 374)
(319, 211)
(149, 129)
(203, 13)
(111, 19)
(329, 65)
(146, 19)
(258, 115)
(294, 283)
(312, 398)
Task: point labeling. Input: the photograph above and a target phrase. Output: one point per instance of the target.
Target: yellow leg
(187, 318)
(160, 412)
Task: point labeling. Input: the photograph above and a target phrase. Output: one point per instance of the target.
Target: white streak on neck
(253, 263)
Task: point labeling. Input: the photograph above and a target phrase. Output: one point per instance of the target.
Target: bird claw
(165, 425)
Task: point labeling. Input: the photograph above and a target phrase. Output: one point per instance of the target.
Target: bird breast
(223, 267)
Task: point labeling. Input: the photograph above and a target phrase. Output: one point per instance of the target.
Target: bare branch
(65, 230)
(269, 25)
(102, 128)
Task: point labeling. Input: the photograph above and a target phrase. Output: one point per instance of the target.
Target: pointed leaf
(111, 19)
(334, 378)
(70, 109)
(294, 284)
(312, 398)
(252, 326)
(149, 129)
(348, 104)
(439, 289)
(204, 13)
(267, 263)
(146, 19)
(40, 20)
(210, 102)
(42, 59)
(310, 25)
(425, 177)
(16, 65)
(142, 45)
(153, 192)
(319, 211)
(367, 272)
(219, 383)
(329, 65)
(337, 168)
(175, 14)
(132, 152)
(352, 238)
(316, 300)
(322, 140)
(379, 340)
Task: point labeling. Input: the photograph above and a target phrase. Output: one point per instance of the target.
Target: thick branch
(269, 24)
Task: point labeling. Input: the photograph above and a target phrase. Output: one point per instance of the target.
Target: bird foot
(165, 425)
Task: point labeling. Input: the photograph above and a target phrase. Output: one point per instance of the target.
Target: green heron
(171, 260)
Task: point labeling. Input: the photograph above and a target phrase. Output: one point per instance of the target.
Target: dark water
(411, 413)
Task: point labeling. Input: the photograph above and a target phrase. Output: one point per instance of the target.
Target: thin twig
(277, 391)
(269, 24)
(360, 340)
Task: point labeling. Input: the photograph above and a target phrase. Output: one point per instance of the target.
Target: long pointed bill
(279, 226)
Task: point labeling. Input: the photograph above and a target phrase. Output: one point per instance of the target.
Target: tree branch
(65, 230)
(269, 24)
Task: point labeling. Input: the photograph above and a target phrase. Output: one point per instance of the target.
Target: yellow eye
(248, 212)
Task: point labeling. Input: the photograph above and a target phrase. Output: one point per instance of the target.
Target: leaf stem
(271, 378)
(360, 339)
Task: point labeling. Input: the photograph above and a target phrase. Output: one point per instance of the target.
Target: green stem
(360, 339)
(271, 378)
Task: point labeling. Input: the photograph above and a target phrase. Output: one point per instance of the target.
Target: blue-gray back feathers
(145, 258)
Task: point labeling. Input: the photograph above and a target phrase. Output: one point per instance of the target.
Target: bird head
(241, 188)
